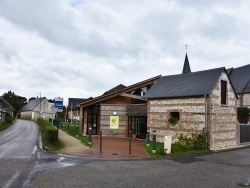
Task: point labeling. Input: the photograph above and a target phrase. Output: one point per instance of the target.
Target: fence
(244, 133)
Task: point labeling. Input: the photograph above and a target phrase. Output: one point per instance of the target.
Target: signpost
(58, 107)
(58, 104)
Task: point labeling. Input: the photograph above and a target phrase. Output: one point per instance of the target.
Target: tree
(16, 101)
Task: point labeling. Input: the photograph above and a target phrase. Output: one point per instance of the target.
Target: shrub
(243, 114)
(9, 118)
(173, 120)
(49, 133)
(196, 141)
(52, 135)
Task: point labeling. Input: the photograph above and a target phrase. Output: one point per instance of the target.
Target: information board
(58, 103)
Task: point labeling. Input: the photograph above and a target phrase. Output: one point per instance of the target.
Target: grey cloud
(7, 52)
(55, 25)
(220, 27)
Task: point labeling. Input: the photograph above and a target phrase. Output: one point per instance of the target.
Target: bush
(49, 133)
(9, 118)
(52, 135)
(243, 114)
(196, 141)
(173, 120)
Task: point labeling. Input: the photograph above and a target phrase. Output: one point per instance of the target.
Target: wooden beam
(131, 96)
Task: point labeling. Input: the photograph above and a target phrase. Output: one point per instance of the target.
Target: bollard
(148, 135)
(130, 135)
(90, 135)
(154, 142)
(100, 141)
(77, 130)
(68, 127)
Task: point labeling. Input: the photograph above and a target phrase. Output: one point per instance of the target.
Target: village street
(23, 164)
(223, 169)
(18, 153)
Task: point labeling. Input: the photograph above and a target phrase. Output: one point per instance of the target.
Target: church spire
(186, 67)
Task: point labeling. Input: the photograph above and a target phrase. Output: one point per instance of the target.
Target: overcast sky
(82, 48)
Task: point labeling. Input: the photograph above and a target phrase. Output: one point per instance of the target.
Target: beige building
(5, 107)
(37, 108)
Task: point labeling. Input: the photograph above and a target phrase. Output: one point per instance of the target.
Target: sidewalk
(114, 148)
(71, 144)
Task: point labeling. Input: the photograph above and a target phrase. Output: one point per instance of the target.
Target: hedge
(48, 132)
(243, 114)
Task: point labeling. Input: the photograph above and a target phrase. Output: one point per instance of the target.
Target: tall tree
(16, 101)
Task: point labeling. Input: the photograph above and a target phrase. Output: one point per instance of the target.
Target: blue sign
(58, 104)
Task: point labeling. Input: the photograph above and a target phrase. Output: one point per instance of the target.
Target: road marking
(34, 150)
(11, 180)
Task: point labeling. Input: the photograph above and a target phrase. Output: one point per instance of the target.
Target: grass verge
(5, 126)
(49, 136)
(175, 150)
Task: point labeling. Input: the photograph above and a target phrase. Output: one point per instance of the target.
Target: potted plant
(173, 120)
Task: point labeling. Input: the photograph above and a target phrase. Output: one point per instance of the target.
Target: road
(18, 148)
(223, 169)
(23, 165)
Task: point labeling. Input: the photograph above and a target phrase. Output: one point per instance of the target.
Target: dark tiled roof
(240, 78)
(31, 105)
(116, 88)
(183, 85)
(75, 101)
(5, 104)
(186, 67)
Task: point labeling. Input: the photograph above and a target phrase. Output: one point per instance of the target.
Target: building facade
(37, 108)
(117, 112)
(197, 104)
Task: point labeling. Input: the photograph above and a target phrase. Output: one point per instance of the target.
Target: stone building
(196, 101)
(172, 105)
(4, 108)
(37, 108)
(240, 78)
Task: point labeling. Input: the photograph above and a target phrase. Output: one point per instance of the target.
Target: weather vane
(186, 48)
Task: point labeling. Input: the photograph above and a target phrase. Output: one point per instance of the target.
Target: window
(174, 117)
(223, 92)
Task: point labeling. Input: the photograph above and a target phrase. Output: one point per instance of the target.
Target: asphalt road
(23, 165)
(18, 148)
(224, 169)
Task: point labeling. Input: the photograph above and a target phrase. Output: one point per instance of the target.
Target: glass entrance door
(92, 123)
(138, 126)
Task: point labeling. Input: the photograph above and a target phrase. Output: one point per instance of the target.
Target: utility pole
(40, 105)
